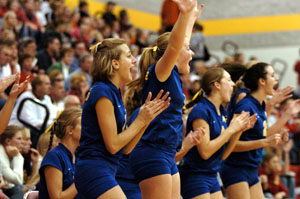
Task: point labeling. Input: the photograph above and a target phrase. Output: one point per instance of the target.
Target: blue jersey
(165, 130)
(259, 131)
(206, 111)
(61, 158)
(124, 167)
(232, 103)
(91, 141)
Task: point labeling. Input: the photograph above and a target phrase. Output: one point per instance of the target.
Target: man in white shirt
(33, 115)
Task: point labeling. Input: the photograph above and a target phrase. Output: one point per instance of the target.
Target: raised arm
(7, 109)
(166, 63)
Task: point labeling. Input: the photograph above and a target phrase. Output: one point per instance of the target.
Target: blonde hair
(5, 18)
(104, 52)
(67, 118)
(76, 79)
(133, 94)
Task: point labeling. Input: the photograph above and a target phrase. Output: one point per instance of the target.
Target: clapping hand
(154, 107)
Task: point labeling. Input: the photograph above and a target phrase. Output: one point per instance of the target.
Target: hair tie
(50, 127)
(155, 48)
(196, 95)
(53, 124)
(95, 46)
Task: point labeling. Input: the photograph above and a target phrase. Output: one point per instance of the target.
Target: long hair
(104, 52)
(133, 94)
(66, 118)
(207, 82)
(253, 74)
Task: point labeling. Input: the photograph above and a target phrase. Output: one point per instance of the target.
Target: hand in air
(18, 88)
(186, 6)
(152, 108)
(7, 81)
(196, 13)
(282, 94)
(293, 108)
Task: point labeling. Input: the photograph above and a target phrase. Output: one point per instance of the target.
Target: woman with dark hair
(201, 164)
(239, 172)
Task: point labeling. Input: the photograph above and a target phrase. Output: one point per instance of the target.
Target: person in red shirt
(270, 176)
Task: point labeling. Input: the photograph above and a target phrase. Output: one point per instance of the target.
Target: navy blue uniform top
(206, 111)
(61, 158)
(165, 130)
(91, 141)
(124, 168)
(232, 103)
(259, 131)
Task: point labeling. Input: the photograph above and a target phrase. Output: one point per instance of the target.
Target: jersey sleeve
(100, 91)
(52, 159)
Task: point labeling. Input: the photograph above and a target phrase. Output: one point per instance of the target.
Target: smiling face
(270, 81)
(124, 64)
(184, 58)
(226, 87)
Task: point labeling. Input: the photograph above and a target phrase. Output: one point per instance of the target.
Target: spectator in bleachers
(57, 91)
(108, 16)
(272, 183)
(28, 45)
(10, 22)
(84, 9)
(85, 63)
(3, 7)
(32, 115)
(14, 5)
(30, 156)
(71, 101)
(11, 161)
(198, 44)
(6, 52)
(8, 35)
(48, 56)
(79, 86)
(79, 49)
(26, 68)
(83, 32)
(65, 62)
(124, 20)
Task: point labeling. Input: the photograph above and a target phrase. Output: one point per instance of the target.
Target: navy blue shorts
(234, 174)
(195, 184)
(130, 188)
(93, 177)
(147, 162)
